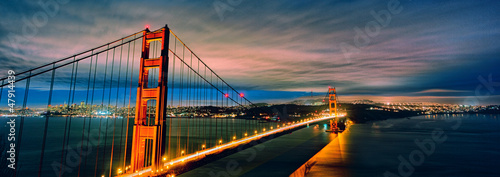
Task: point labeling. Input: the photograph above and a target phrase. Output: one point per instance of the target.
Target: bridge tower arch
(148, 144)
(332, 101)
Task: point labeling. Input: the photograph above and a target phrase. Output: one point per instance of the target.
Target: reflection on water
(331, 160)
(470, 146)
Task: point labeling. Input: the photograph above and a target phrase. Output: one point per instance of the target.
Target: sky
(384, 50)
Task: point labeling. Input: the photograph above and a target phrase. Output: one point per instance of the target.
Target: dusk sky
(426, 51)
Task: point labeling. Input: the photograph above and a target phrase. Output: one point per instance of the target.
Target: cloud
(441, 91)
(287, 46)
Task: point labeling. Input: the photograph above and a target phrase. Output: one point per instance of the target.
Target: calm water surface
(107, 140)
(469, 145)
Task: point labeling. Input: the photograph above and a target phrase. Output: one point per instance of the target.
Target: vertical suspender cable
(91, 103)
(46, 120)
(228, 137)
(210, 113)
(128, 108)
(188, 88)
(1, 90)
(86, 103)
(66, 119)
(124, 116)
(116, 108)
(108, 107)
(102, 106)
(217, 111)
(70, 118)
(169, 155)
(21, 126)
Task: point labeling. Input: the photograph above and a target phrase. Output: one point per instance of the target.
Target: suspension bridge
(142, 105)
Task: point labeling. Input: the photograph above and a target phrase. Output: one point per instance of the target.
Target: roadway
(280, 156)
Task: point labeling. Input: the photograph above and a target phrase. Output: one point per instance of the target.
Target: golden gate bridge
(92, 116)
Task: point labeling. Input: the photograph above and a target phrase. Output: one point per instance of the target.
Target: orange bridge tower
(332, 101)
(148, 144)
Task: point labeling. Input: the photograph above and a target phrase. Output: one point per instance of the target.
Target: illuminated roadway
(200, 154)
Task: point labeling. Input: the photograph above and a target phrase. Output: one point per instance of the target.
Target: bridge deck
(200, 154)
(280, 156)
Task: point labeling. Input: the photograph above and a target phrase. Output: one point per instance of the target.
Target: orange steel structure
(332, 100)
(332, 94)
(148, 144)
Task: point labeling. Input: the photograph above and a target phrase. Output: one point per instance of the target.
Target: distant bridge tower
(148, 144)
(332, 100)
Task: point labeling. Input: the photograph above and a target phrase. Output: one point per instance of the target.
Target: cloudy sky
(385, 50)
